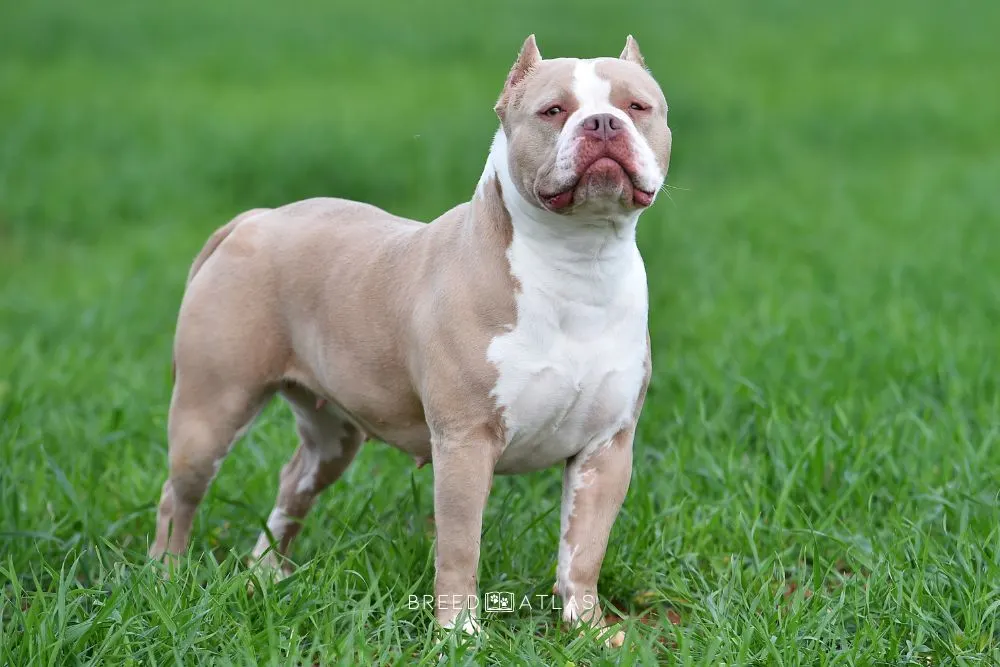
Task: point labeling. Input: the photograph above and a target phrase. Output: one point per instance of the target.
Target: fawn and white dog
(506, 336)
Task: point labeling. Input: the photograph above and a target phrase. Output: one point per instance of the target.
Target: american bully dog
(506, 336)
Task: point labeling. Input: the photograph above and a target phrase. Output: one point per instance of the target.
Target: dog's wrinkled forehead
(573, 82)
(628, 79)
(546, 79)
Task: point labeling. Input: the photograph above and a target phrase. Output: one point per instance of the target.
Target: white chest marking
(571, 369)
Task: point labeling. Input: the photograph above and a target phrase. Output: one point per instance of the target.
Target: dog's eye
(553, 110)
(635, 106)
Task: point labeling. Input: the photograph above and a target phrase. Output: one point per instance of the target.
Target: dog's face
(585, 137)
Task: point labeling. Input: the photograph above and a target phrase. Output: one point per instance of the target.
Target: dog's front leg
(463, 474)
(594, 486)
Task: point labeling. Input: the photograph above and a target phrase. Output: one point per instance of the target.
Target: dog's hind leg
(327, 445)
(229, 356)
(204, 423)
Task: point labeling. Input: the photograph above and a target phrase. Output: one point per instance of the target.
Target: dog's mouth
(605, 174)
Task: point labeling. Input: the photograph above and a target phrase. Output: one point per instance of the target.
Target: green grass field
(817, 466)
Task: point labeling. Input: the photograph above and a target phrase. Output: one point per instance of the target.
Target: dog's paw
(463, 636)
(614, 639)
(268, 569)
(468, 625)
(167, 563)
(607, 635)
(589, 618)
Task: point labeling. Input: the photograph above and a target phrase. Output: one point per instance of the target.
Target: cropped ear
(631, 52)
(526, 60)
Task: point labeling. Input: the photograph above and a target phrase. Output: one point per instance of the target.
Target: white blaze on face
(593, 95)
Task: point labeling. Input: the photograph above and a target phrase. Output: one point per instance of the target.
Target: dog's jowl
(506, 336)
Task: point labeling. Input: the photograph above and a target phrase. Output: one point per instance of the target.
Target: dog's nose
(602, 126)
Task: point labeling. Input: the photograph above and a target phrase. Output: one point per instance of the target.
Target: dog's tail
(214, 241)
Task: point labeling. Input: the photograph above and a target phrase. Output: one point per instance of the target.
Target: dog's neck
(572, 258)
(567, 240)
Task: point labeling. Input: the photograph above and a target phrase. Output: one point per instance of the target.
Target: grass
(817, 466)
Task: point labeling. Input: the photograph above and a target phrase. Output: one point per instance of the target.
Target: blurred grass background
(825, 302)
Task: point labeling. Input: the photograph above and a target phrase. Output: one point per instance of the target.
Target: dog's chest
(570, 371)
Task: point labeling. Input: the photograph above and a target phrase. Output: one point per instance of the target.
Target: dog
(506, 336)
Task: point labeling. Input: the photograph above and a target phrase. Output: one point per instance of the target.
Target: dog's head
(585, 137)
